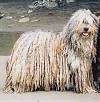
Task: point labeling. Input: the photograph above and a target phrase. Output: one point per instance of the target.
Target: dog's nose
(86, 29)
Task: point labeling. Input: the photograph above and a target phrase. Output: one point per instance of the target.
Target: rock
(30, 11)
(25, 19)
(36, 20)
(50, 13)
(1, 15)
(50, 4)
(22, 16)
(44, 3)
(31, 6)
(8, 17)
(68, 1)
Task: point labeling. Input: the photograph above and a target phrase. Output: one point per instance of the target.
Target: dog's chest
(73, 60)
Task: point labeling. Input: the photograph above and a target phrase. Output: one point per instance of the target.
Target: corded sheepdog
(46, 61)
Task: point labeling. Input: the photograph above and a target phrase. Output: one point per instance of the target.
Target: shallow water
(7, 40)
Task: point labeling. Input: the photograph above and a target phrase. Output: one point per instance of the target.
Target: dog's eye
(85, 22)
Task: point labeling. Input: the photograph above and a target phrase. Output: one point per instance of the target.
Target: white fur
(54, 62)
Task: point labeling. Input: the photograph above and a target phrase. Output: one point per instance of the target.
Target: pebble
(31, 6)
(30, 11)
(8, 17)
(36, 20)
(1, 15)
(25, 19)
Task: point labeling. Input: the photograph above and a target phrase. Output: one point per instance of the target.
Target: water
(7, 40)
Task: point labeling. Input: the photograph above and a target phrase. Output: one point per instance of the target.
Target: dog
(43, 60)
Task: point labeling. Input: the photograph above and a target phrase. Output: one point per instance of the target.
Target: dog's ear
(99, 21)
(98, 15)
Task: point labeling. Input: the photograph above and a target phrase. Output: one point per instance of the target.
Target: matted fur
(47, 61)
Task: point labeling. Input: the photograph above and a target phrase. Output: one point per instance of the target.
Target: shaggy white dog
(46, 61)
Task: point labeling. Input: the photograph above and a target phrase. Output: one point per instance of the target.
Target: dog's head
(83, 23)
(81, 32)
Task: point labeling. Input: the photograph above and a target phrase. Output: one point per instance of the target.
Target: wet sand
(40, 18)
